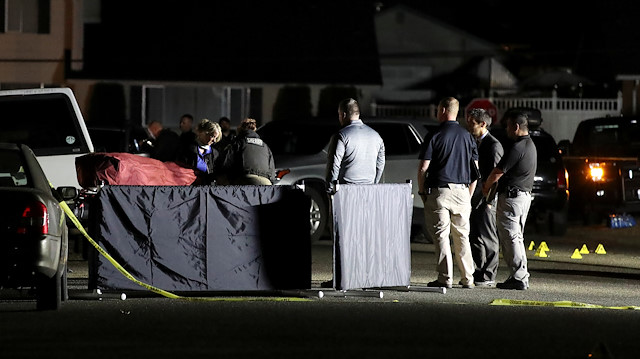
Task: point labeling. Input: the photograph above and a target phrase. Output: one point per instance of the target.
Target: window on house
(25, 16)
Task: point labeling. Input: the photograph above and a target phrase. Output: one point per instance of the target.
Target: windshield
(607, 139)
(546, 148)
(46, 123)
(297, 137)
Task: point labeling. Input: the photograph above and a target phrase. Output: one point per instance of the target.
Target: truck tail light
(35, 219)
(563, 179)
(596, 171)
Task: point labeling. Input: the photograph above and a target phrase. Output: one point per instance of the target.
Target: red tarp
(128, 169)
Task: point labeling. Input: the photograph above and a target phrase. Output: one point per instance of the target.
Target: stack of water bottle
(621, 221)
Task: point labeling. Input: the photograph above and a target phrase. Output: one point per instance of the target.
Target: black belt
(454, 185)
(513, 192)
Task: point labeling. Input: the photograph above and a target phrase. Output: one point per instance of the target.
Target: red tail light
(282, 173)
(35, 219)
(563, 178)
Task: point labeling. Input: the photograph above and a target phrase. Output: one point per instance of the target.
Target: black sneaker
(512, 284)
(435, 283)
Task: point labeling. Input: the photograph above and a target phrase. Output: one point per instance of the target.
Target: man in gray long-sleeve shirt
(356, 152)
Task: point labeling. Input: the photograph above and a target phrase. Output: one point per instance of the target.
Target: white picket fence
(561, 116)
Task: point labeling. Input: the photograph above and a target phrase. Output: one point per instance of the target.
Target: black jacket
(248, 154)
(188, 157)
(490, 152)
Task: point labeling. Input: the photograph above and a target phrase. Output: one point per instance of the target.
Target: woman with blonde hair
(201, 154)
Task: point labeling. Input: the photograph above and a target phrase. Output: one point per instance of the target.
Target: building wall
(415, 47)
(630, 94)
(28, 58)
(409, 38)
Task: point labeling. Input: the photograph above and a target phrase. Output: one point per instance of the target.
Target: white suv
(300, 151)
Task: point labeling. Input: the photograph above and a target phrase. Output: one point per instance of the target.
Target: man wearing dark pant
(516, 171)
(483, 234)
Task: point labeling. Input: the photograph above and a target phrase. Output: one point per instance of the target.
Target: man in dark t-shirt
(516, 171)
(483, 236)
(446, 182)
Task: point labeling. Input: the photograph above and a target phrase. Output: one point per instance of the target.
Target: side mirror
(68, 193)
(564, 146)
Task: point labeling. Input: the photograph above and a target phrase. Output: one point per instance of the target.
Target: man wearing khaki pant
(446, 181)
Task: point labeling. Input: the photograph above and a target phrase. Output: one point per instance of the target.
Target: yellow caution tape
(149, 287)
(564, 304)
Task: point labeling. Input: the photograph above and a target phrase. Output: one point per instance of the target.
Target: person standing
(248, 160)
(445, 185)
(515, 175)
(187, 136)
(228, 134)
(356, 153)
(483, 235)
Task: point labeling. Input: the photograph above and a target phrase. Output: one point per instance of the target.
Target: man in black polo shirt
(446, 184)
(516, 171)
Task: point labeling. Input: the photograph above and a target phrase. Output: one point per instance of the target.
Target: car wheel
(318, 213)
(48, 292)
(64, 288)
(557, 223)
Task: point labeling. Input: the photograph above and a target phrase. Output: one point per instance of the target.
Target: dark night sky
(240, 40)
(272, 40)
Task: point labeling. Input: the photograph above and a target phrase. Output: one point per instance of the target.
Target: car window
(431, 128)
(545, 147)
(297, 138)
(12, 169)
(398, 138)
(44, 133)
(608, 139)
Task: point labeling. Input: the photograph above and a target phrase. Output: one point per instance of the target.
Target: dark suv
(549, 207)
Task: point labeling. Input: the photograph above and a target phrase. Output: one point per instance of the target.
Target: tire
(64, 288)
(557, 223)
(318, 213)
(48, 292)
(64, 258)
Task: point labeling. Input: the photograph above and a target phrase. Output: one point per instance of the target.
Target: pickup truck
(49, 121)
(603, 166)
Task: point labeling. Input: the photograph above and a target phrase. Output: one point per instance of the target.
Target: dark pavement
(461, 323)
(612, 277)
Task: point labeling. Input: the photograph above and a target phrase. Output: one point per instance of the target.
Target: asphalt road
(460, 323)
